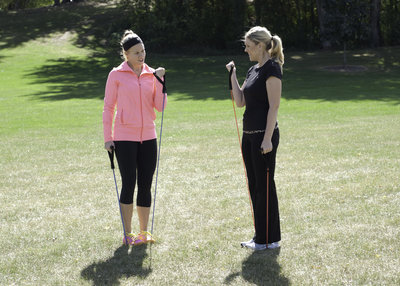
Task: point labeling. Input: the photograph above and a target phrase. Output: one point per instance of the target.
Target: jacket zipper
(141, 110)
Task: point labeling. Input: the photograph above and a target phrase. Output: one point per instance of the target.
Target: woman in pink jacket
(133, 92)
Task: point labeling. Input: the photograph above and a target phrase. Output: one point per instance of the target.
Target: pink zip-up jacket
(135, 98)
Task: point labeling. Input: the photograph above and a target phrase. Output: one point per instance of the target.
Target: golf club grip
(164, 89)
(230, 75)
(111, 156)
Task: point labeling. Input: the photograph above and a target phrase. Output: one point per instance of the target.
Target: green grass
(337, 172)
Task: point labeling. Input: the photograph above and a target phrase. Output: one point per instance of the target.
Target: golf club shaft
(267, 205)
(119, 204)
(159, 153)
(240, 146)
(111, 156)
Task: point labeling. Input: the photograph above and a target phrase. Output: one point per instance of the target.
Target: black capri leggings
(136, 159)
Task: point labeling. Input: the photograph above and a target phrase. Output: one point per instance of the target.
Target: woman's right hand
(231, 65)
(160, 72)
(108, 145)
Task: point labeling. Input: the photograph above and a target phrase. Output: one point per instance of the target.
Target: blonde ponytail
(276, 50)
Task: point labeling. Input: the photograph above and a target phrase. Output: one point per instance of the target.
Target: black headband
(131, 42)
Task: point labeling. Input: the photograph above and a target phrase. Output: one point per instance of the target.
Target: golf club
(240, 145)
(267, 204)
(159, 147)
(111, 156)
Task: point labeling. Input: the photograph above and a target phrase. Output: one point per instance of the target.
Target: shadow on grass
(306, 76)
(194, 78)
(93, 24)
(331, 86)
(261, 268)
(71, 78)
(189, 78)
(122, 264)
(205, 78)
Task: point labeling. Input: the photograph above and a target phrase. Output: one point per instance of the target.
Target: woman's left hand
(160, 72)
(266, 146)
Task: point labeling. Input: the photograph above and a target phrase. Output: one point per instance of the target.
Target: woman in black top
(261, 93)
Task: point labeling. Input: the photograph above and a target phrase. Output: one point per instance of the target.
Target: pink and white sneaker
(129, 239)
(143, 237)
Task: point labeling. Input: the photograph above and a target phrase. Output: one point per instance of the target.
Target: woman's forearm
(237, 91)
(271, 122)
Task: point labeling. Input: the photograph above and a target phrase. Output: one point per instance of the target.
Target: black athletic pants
(136, 160)
(256, 167)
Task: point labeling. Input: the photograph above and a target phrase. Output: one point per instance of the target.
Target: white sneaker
(254, 246)
(273, 245)
(246, 242)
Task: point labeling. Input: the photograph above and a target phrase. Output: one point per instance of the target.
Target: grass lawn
(337, 172)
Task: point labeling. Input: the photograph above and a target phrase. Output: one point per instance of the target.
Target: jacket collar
(124, 67)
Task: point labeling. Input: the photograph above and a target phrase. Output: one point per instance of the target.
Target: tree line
(219, 24)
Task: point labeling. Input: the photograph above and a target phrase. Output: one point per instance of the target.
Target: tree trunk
(325, 42)
(375, 11)
(258, 9)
